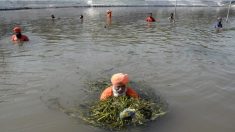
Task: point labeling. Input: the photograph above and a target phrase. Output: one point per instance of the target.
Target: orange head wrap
(17, 30)
(119, 78)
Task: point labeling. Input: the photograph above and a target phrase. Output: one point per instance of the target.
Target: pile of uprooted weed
(106, 114)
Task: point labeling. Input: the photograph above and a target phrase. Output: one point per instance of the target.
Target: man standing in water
(219, 23)
(18, 36)
(119, 87)
(108, 18)
(171, 18)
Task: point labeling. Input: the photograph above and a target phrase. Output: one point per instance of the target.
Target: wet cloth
(127, 113)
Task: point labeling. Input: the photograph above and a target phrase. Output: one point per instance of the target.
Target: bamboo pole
(228, 10)
(175, 9)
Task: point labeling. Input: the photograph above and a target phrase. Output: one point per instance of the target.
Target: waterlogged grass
(106, 114)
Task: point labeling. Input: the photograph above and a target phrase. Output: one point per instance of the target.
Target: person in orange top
(18, 36)
(150, 18)
(119, 87)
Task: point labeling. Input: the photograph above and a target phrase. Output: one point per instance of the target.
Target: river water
(187, 63)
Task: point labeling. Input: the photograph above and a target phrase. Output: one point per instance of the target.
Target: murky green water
(188, 63)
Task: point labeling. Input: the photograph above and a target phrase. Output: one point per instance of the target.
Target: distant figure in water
(171, 18)
(108, 18)
(52, 17)
(109, 13)
(18, 36)
(219, 25)
(150, 18)
(81, 18)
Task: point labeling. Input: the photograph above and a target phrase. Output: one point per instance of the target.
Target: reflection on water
(188, 62)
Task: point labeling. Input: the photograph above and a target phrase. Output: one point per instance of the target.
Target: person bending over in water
(171, 18)
(18, 36)
(150, 18)
(119, 87)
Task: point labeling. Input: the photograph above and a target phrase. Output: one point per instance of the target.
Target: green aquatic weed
(106, 113)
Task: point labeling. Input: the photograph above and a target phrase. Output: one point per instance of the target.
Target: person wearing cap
(150, 18)
(18, 36)
(119, 87)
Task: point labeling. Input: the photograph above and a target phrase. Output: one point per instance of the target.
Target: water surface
(188, 63)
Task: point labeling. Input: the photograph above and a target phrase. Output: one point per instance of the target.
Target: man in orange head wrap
(18, 36)
(119, 87)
